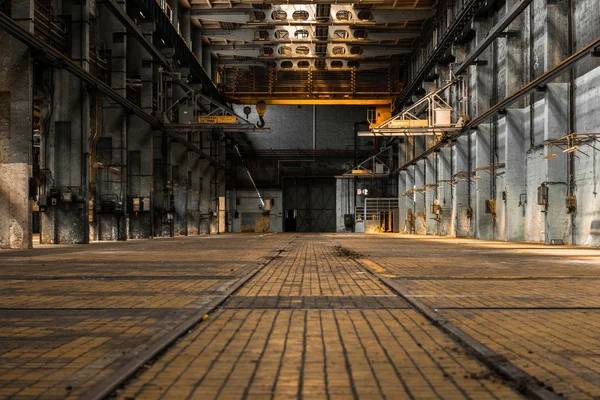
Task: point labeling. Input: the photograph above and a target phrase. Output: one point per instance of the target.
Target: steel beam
(182, 51)
(227, 128)
(537, 83)
(465, 15)
(133, 29)
(497, 30)
(33, 42)
(281, 100)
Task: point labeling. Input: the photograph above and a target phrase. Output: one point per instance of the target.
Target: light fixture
(571, 149)
(549, 156)
(476, 177)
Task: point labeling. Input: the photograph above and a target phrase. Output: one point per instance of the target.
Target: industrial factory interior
(299, 199)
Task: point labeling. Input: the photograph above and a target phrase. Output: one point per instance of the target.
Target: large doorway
(309, 204)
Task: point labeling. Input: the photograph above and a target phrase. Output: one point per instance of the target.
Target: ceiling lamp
(549, 156)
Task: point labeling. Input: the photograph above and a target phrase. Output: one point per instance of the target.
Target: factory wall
(508, 157)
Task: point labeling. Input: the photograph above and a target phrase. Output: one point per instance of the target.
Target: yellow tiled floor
(71, 315)
(313, 323)
(538, 306)
(347, 349)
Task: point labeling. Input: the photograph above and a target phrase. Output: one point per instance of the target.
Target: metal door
(314, 202)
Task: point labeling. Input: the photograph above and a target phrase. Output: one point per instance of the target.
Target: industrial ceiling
(310, 49)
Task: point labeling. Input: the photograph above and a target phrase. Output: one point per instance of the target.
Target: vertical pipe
(571, 156)
(314, 128)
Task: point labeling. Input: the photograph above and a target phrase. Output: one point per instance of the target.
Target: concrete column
(139, 136)
(185, 23)
(402, 158)
(221, 187)
(445, 190)
(163, 186)
(500, 173)
(430, 194)
(511, 57)
(480, 76)
(557, 221)
(179, 154)
(205, 171)
(16, 130)
(197, 43)
(421, 211)
(402, 201)
(207, 59)
(174, 4)
(461, 201)
(66, 145)
(410, 198)
(344, 193)
(195, 186)
(515, 177)
(483, 221)
(112, 146)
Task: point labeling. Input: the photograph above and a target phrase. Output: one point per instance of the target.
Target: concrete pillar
(66, 145)
(445, 190)
(207, 59)
(16, 130)
(402, 205)
(484, 222)
(221, 187)
(402, 201)
(112, 146)
(461, 205)
(197, 43)
(557, 221)
(344, 194)
(480, 76)
(515, 179)
(430, 194)
(162, 204)
(194, 217)
(410, 199)
(205, 171)
(500, 174)
(174, 4)
(511, 57)
(179, 156)
(185, 23)
(139, 136)
(421, 211)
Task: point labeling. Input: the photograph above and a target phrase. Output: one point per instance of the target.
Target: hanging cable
(249, 175)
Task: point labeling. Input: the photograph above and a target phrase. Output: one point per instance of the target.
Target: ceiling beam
(242, 16)
(69, 65)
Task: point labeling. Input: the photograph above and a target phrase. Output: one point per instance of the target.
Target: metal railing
(50, 27)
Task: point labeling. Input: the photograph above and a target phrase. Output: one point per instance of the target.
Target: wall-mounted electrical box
(490, 206)
(571, 203)
(146, 204)
(43, 203)
(136, 205)
(542, 197)
(66, 197)
(469, 212)
(436, 208)
(348, 220)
